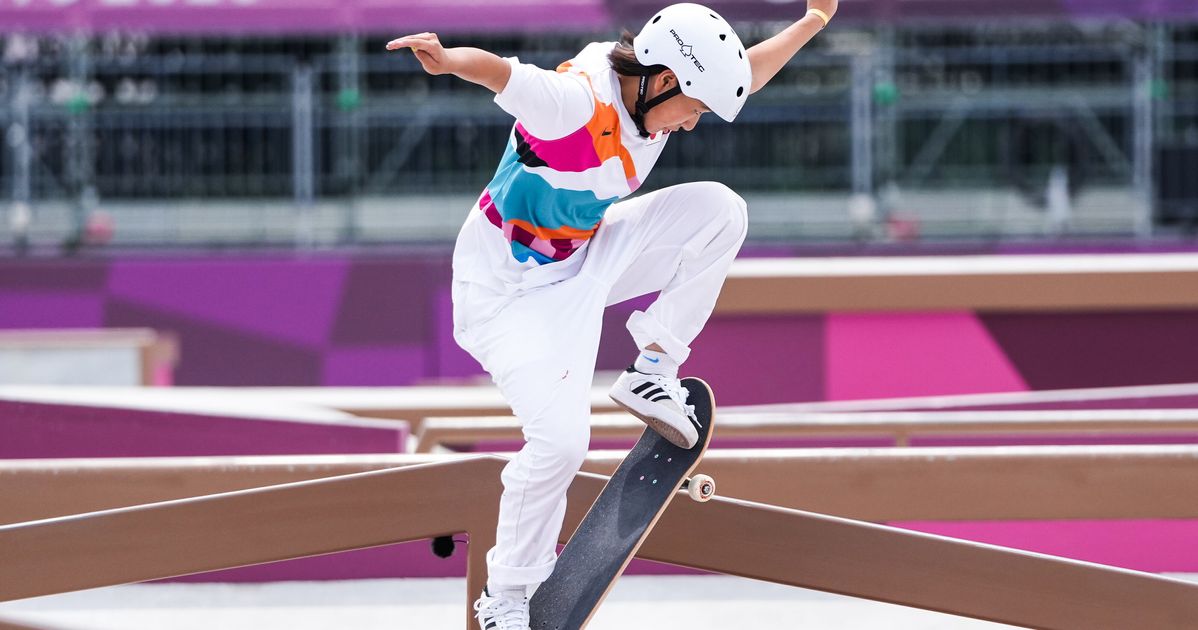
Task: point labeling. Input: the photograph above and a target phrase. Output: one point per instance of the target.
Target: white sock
(504, 590)
(650, 362)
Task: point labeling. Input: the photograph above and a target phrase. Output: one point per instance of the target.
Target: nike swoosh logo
(606, 132)
(654, 361)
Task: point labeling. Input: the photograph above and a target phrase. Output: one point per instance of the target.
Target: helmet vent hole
(646, 51)
(656, 19)
(739, 91)
(723, 36)
(740, 54)
(713, 16)
(688, 83)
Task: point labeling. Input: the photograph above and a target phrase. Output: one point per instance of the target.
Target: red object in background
(99, 228)
(902, 228)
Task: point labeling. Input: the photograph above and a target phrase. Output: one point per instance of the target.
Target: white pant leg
(680, 241)
(539, 348)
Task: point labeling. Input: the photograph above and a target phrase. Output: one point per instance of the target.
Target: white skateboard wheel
(701, 488)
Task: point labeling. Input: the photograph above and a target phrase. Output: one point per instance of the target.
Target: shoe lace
(506, 613)
(679, 394)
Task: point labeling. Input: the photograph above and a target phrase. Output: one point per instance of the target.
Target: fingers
(400, 42)
(407, 41)
(420, 44)
(414, 44)
(427, 49)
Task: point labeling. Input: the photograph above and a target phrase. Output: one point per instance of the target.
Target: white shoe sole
(685, 436)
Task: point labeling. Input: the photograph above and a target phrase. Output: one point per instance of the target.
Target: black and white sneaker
(660, 402)
(501, 613)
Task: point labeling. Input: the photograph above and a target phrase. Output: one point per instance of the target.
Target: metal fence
(966, 132)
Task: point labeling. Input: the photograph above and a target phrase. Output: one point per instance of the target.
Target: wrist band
(821, 15)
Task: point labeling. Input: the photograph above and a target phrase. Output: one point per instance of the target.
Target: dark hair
(623, 59)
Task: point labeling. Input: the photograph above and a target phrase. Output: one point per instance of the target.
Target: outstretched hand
(827, 6)
(432, 56)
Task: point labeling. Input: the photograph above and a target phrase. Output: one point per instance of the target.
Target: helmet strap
(643, 107)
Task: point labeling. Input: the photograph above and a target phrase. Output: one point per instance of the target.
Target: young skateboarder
(547, 248)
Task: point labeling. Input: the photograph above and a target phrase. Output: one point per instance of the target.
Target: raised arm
(768, 57)
(472, 64)
(549, 104)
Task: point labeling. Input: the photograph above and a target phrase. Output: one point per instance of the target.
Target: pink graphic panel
(887, 355)
(574, 153)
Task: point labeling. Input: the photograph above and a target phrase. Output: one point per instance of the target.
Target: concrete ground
(692, 602)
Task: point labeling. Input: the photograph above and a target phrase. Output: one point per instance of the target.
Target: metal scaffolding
(1048, 130)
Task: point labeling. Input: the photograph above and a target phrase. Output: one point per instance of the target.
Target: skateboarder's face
(680, 113)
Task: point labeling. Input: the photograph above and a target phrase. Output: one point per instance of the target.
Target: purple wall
(226, 17)
(262, 320)
(45, 431)
(638, 11)
(342, 319)
(289, 16)
(385, 320)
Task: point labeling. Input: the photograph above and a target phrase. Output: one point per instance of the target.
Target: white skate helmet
(703, 51)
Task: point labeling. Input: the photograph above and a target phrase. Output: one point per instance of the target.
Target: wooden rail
(724, 535)
(1133, 397)
(254, 526)
(414, 404)
(772, 286)
(13, 625)
(878, 485)
(898, 426)
(411, 404)
(977, 483)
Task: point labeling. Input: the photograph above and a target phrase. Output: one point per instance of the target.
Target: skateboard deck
(619, 521)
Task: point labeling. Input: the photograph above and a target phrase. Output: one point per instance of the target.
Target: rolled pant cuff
(517, 576)
(647, 331)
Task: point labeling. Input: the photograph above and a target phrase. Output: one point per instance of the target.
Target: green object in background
(886, 93)
(349, 99)
(1159, 88)
(78, 104)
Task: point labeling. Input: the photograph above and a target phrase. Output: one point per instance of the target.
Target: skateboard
(621, 518)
